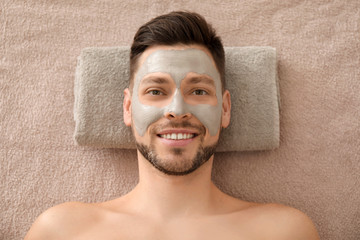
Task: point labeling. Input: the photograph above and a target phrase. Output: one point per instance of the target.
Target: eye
(155, 92)
(200, 92)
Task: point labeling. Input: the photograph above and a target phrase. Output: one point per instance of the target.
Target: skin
(175, 65)
(164, 206)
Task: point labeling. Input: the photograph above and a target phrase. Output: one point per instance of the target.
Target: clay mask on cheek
(177, 63)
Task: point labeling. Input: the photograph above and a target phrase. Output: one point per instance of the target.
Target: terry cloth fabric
(102, 75)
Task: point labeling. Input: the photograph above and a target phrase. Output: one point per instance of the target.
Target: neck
(173, 196)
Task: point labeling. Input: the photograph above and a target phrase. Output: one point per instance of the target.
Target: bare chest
(172, 230)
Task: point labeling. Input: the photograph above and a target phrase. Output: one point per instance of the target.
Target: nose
(177, 107)
(172, 115)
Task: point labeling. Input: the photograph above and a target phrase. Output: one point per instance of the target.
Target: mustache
(185, 124)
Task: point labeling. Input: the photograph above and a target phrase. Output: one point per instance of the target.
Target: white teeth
(178, 136)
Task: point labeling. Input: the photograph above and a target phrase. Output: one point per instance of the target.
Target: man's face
(176, 107)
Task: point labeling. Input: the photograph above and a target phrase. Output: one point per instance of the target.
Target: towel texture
(315, 169)
(102, 75)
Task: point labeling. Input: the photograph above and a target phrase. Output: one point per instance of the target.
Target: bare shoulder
(63, 220)
(282, 222)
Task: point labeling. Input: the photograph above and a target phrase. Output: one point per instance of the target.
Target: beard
(177, 168)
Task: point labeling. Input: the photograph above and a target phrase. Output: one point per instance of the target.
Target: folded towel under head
(102, 74)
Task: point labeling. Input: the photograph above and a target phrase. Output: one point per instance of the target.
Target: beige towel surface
(315, 169)
(102, 75)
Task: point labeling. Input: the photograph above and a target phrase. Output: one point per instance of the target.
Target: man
(176, 105)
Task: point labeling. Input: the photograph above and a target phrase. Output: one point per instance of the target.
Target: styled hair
(177, 28)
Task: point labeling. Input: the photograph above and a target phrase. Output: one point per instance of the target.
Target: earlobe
(226, 109)
(127, 107)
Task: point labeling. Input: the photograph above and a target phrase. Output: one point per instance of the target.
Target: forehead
(177, 63)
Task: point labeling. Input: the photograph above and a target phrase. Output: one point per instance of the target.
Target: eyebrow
(204, 79)
(158, 80)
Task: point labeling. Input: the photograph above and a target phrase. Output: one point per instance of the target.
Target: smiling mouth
(177, 136)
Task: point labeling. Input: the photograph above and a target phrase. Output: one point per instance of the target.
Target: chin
(176, 161)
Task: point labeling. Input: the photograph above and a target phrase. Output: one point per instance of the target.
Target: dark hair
(178, 28)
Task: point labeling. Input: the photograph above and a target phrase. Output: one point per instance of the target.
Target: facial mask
(177, 63)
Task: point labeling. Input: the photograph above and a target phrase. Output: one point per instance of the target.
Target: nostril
(170, 115)
(181, 116)
(187, 115)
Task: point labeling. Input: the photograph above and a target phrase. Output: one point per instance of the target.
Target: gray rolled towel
(102, 74)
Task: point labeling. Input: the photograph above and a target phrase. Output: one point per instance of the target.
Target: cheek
(144, 115)
(209, 116)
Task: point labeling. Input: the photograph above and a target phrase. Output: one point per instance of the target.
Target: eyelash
(200, 90)
(196, 92)
(151, 92)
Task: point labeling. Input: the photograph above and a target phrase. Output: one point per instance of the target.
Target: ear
(127, 107)
(226, 109)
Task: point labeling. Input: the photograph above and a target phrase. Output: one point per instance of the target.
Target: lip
(177, 143)
(177, 130)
